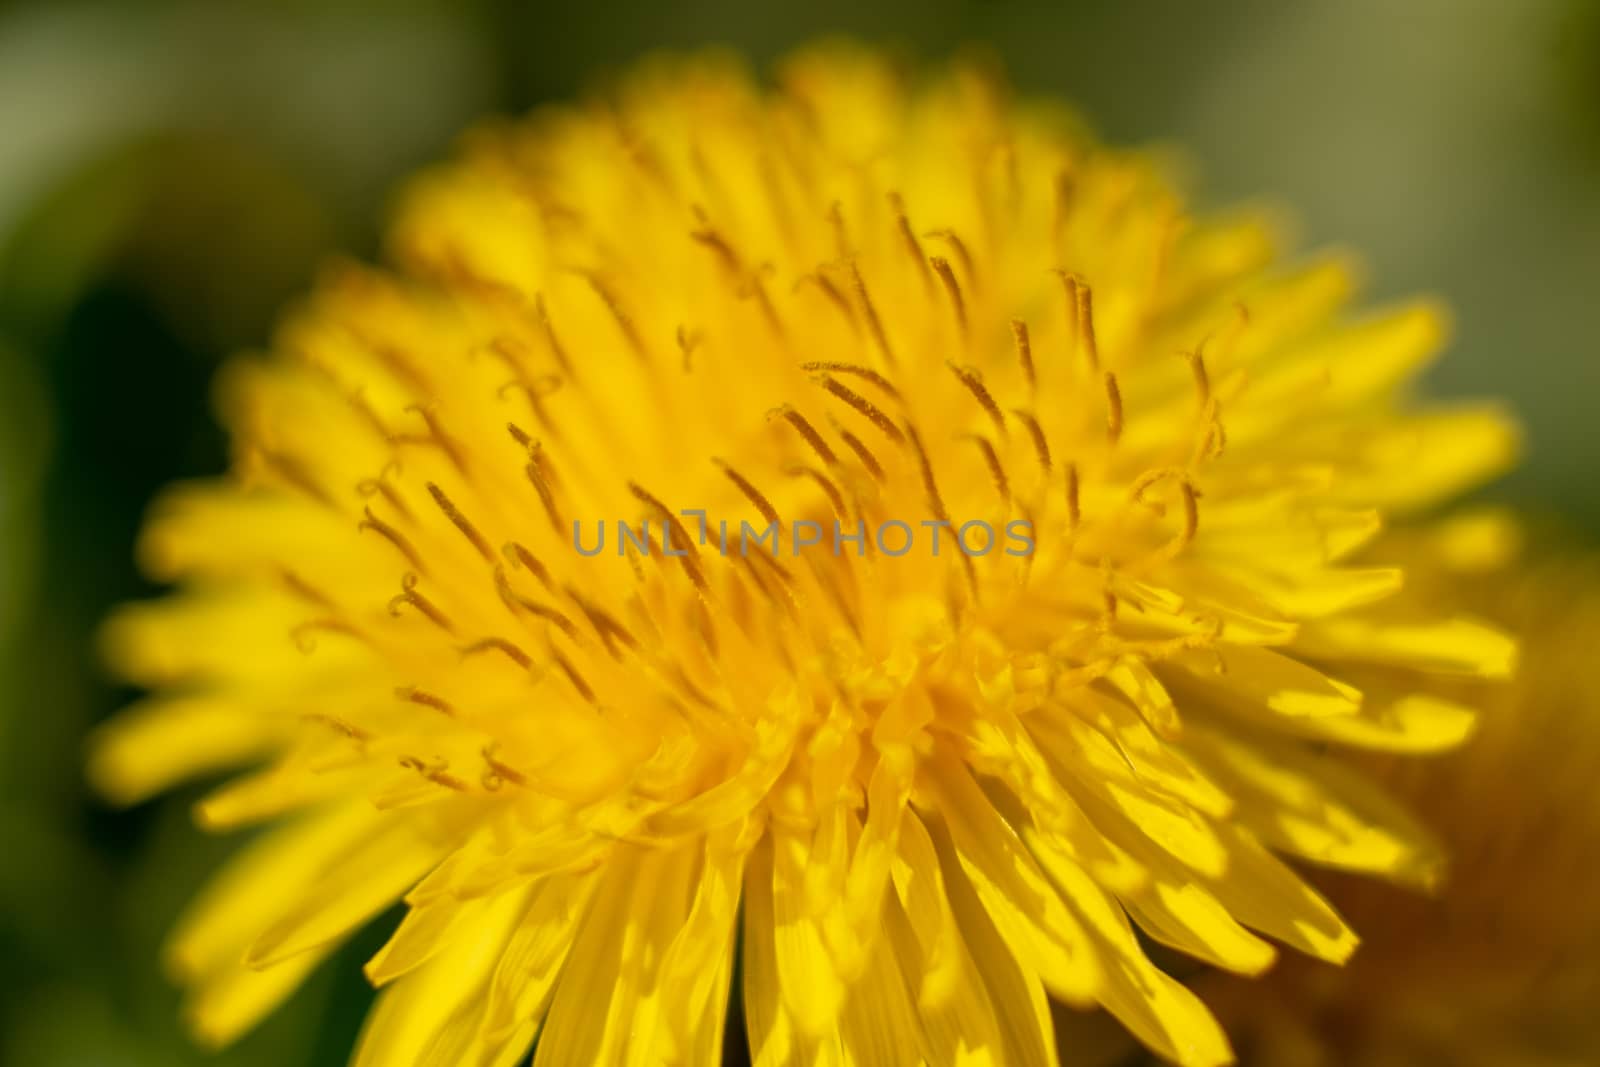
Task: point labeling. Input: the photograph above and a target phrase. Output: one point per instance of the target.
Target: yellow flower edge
(1503, 967)
(919, 793)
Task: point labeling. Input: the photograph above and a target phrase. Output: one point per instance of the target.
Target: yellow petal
(358, 884)
(1315, 806)
(433, 1016)
(1418, 460)
(1419, 724)
(158, 743)
(958, 1021)
(1264, 894)
(229, 1002)
(604, 1003)
(878, 1023)
(1161, 1012)
(1454, 646)
(1179, 912)
(811, 987)
(1261, 683)
(1120, 806)
(532, 956)
(775, 1040)
(425, 930)
(258, 885)
(1021, 1008)
(1037, 927)
(695, 975)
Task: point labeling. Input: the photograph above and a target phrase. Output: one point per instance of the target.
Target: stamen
(870, 313)
(769, 560)
(550, 337)
(952, 288)
(678, 676)
(835, 297)
(1188, 494)
(369, 486)
(1074, 514)
(348, 729)
(970, 378)
(704, 627)
(903, 225)
(363, 406)
(1113, 408)
(773, 188)
(1091, 346)
(755, 285)
(437, 435)
(864, 454)
(687, 343)
(1108, 601)
(761, 584)
(630, 332)
(515, 600)
(1061, 203)
(992, 460)
(516, 554)
(574, 677)
(690, 560)
(710, 238)
(865, 407)
(304, 590)
(461, 522)
(426, 699)
(499, 772)
(1069, 287)
(605, 624)
(294, 472)
(396, 362)
(1041, 446)
(535, 388)
(1202, 380)
(500, 644)
(410, 596)
(835, 498)
(1191, 512)
(1214, 436)
(929, 485)
(1013, 172)
(751, 493)
(540, 475)
(854, 369)
(1019, 334)
(303, 640)
(437, 773)
(828, 582)
(806, 431)
(510, 352)
(393, 536)
(1241, 321)
(959, 247)
(841, 237)
(1141, 484)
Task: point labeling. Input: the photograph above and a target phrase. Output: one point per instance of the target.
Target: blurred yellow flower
(1503, 968)
(791, 340)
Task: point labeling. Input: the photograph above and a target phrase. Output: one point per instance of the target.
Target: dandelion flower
(890, 794)
(1503, 967)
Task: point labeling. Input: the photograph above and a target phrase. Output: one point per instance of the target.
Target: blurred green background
(170, 173)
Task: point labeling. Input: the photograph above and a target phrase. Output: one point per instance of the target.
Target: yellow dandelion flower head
(862, 531)
(1504, 966)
